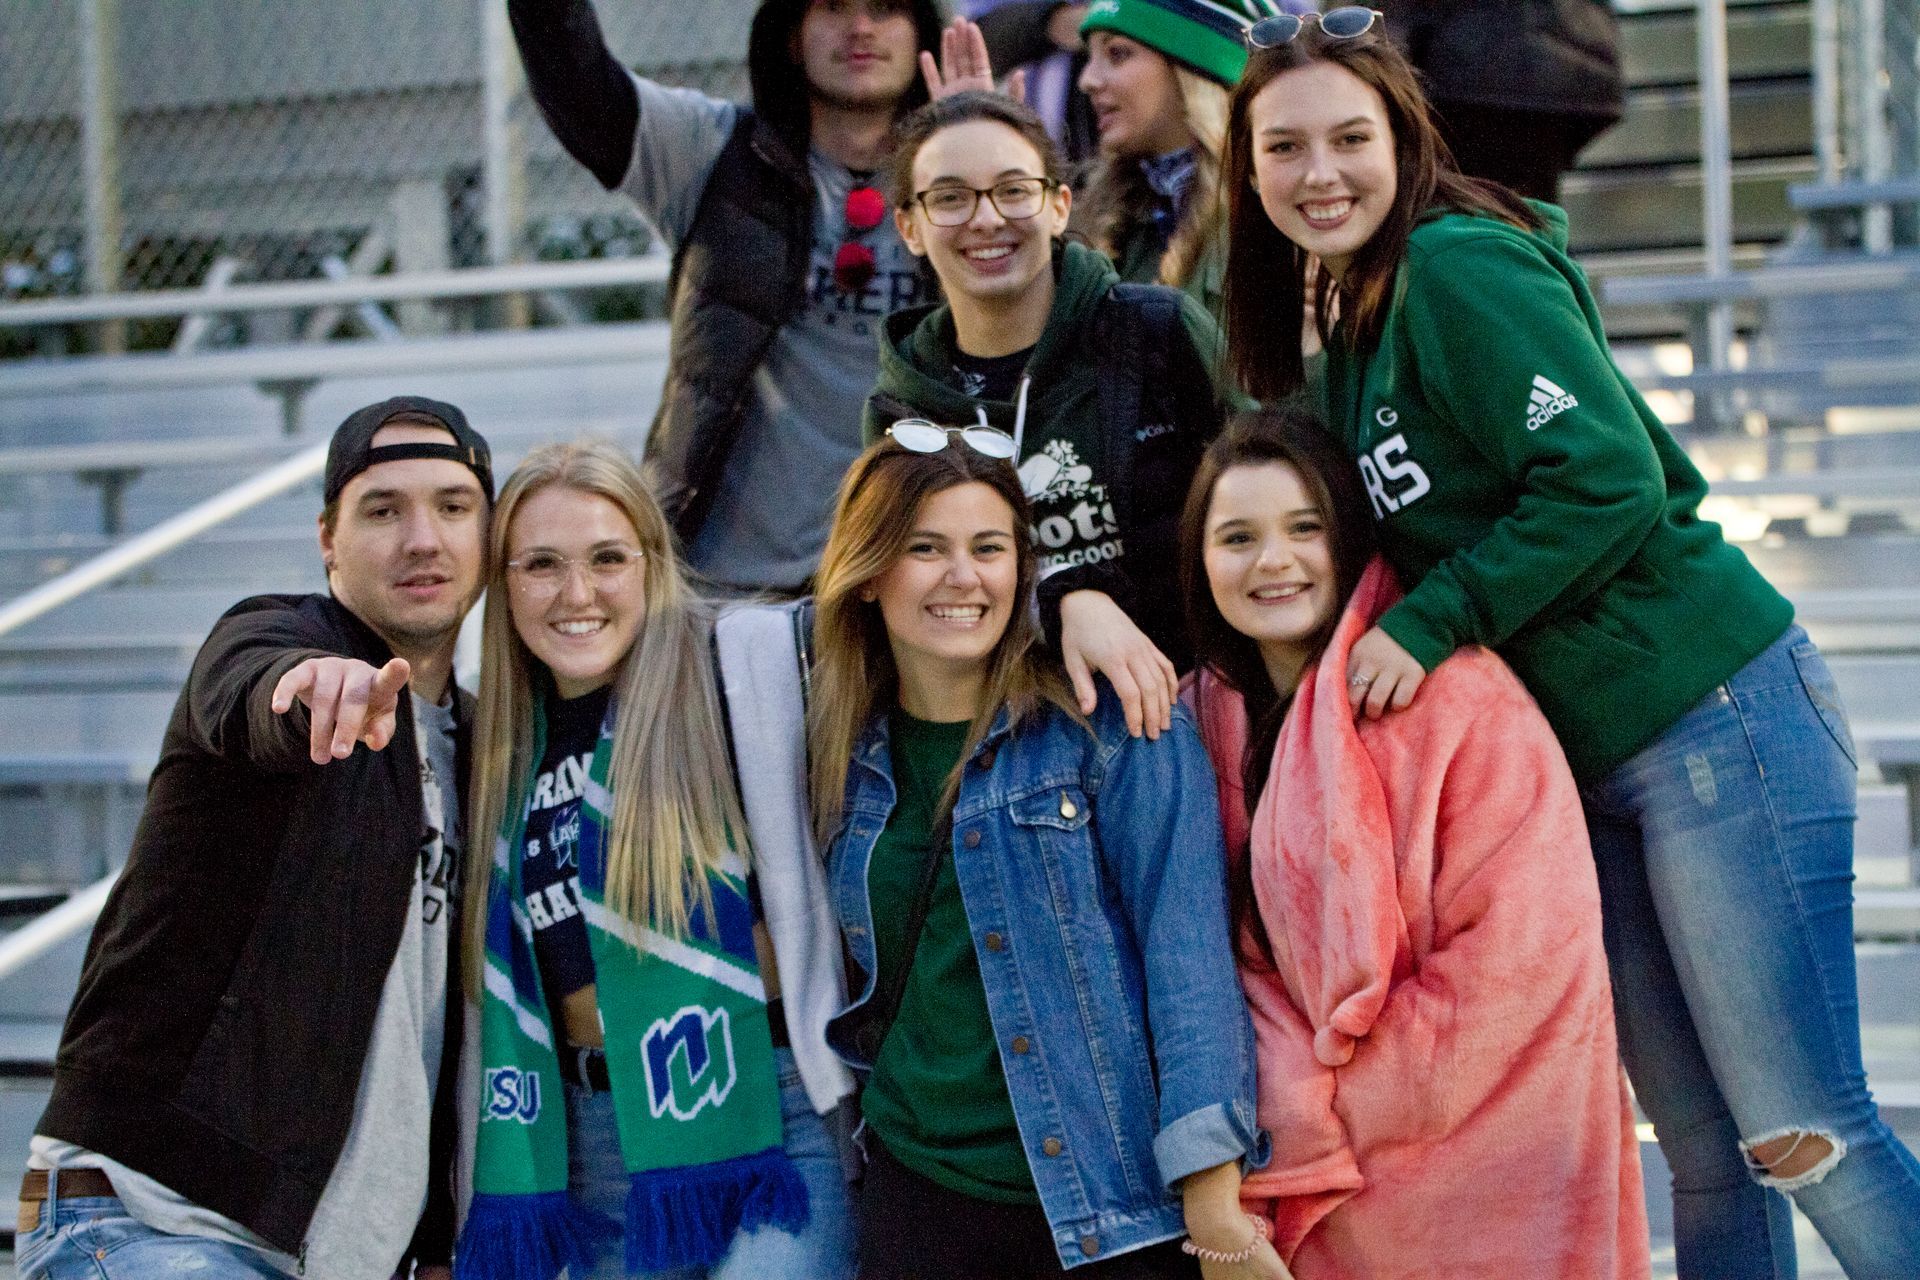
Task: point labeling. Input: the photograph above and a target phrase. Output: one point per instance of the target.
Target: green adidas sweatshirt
(1530, 499)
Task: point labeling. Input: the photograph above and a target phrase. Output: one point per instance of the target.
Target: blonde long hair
(675, 810)
(1118, 196)
(854, 677)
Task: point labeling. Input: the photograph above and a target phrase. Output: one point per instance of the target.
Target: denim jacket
(1094, 878)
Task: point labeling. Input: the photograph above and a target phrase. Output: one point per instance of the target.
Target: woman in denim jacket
(1045, 1006)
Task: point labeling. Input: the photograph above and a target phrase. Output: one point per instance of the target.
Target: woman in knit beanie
(1157, 75)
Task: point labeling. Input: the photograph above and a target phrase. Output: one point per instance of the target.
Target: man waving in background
(785, 255)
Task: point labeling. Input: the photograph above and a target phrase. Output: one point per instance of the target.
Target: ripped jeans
(1725, 852)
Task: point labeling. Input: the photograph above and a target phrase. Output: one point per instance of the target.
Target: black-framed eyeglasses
(1015, 199)
(1343, 23)
(921, 436)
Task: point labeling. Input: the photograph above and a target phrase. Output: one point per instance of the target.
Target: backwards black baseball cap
(353, 450)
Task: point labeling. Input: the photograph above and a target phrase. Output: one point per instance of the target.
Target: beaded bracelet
(1261, 1232)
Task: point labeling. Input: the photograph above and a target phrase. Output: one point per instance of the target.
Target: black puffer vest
(739, 275)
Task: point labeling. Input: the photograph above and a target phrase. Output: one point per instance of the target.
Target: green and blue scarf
(689, 1056)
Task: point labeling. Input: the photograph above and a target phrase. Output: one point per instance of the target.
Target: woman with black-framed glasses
(1105, 389)
(1533, 503)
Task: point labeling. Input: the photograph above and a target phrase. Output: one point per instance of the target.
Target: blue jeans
(93, 1238)
(824, 1251)
(1725, 854)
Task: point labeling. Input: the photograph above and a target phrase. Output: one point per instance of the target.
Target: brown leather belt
(78, 1183)
(86, 1183)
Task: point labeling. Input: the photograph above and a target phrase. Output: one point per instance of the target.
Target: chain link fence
(150, 144)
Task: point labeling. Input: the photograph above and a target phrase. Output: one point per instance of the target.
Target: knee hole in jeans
(1789, 1159)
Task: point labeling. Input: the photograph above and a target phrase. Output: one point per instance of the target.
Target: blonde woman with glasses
(633, 1075)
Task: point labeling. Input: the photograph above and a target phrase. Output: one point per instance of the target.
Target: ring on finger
(1361, 681)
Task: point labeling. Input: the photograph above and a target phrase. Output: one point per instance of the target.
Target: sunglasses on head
(1343, 23)
(920, 436)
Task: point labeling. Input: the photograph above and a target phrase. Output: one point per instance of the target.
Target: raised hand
(964, 64)
(349, 702)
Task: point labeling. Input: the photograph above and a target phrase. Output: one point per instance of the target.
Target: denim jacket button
(995, 942)
(1067, 807)
(972, 839)
(1090, 1246)
(1052, 1146)
(1021, 1044)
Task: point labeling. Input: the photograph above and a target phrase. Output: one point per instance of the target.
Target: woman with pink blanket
(1415, 906)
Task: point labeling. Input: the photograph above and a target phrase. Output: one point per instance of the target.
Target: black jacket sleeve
(586, 95)
(230, 689)
(1016, 33)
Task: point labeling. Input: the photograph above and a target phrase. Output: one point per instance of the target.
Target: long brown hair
(675, 812)
(1266, 286)
(854, 677)
(1292, 436)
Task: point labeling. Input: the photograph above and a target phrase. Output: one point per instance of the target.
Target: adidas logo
(1547, 402)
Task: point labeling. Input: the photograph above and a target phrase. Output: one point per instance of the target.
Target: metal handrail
(162, 538)
(52, 927)
(468, 282)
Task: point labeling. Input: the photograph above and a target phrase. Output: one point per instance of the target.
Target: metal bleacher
(1816, 465)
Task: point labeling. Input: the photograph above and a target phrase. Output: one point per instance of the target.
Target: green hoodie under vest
(1139, 260)
(1530, 499)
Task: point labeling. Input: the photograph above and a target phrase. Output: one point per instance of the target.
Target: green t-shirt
(938, 1095)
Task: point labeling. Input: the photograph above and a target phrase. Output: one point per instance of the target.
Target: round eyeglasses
(921, 436)
(1344, 23)
(1016, 200)
(544, 573)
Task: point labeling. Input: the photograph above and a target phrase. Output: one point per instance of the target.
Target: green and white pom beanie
(1206, 36)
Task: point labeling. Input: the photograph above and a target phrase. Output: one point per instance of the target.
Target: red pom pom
(865, 208)
(853, 267)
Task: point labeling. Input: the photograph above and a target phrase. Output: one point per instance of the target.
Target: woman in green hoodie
(1533, 503)
(1106, 388)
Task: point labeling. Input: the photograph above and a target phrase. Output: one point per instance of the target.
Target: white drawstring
(1019, 419)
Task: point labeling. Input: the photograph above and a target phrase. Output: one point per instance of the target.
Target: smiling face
(1323, 160)
(407, 545)
(947, 599)
(1269, 561)
(1135, 97)
(857, 54)
(987, 259)
(583, 626)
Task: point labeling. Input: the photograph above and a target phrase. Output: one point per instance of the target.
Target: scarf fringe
(528, 1237)
(690, 1215)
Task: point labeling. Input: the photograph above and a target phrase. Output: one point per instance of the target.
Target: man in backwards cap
(255, 1076)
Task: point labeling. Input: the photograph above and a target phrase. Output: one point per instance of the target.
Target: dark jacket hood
(917, 346)
(779, 88)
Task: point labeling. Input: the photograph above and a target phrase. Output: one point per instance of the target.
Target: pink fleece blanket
(1437, 1065)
